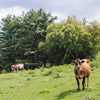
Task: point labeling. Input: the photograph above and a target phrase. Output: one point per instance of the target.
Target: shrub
(3, 71)
(95, 64)
(97, 58)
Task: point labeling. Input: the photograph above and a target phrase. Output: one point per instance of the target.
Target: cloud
(59, 15)
(95, 17)
(60, 8)
(17, 11)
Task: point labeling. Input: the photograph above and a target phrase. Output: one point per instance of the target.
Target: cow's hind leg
(88, 81)
(85, 83)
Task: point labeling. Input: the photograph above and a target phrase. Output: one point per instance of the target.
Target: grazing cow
(20, 66)
(82, 70)
(13, 68)
(17, 67)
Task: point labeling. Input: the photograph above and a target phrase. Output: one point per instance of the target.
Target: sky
(90, 9)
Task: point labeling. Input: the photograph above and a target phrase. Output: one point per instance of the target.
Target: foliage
(3, 71)
(32, 65)
(94, 29)
(97, 57)
(35, 40)
(19, 36)
(69, 40)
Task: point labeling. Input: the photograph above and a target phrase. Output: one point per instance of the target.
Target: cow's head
(77, 62)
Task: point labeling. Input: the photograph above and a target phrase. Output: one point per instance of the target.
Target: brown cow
(13, 68)
(82, 70)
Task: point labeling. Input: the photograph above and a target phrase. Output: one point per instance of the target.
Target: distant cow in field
(20, 66)
(82, 70)
(17, 67)
(13, 68)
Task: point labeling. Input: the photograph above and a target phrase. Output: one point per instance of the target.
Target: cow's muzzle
(78, 67)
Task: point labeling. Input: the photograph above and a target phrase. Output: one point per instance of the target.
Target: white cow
(20, 66)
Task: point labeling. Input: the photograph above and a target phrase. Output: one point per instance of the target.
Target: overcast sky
(60, 8)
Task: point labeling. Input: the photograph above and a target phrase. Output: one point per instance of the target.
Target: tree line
(36, 40)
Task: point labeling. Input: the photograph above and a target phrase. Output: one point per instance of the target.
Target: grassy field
(56, 83)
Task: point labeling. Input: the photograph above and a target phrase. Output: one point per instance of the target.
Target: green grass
(56, 83)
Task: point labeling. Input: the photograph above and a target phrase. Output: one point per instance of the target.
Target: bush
(95, 64)
(3, 71)
(66, 41)
(97, 58)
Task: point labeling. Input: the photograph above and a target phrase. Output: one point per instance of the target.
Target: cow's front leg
(78, 83)
(83, 82)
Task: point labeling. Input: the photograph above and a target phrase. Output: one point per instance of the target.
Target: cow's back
(86, 68)
(20, 66)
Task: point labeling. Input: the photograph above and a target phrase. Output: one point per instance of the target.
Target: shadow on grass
(66, 93)
(69, 92)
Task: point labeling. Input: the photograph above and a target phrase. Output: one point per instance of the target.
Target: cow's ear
(78, 59)
(82, 61)
(73, 61)
(88, 61)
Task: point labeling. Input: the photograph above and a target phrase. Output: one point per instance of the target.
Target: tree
(68, 40)
(20, 36)
(33, 31)
(8, 39)
(94, 29)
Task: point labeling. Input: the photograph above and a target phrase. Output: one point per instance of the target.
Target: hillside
(56, 83)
